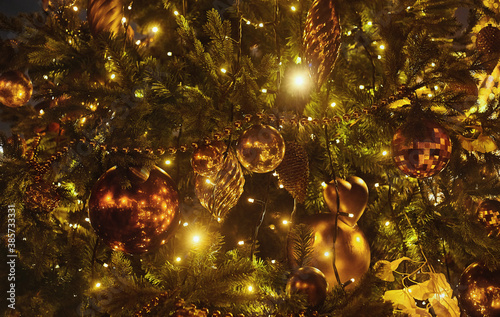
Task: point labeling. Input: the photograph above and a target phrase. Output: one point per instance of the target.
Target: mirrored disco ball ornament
(136, 218)
(422, 149)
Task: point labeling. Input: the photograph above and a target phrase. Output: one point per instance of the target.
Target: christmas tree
(251, 158)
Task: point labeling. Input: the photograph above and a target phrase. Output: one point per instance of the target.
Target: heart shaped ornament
(353, 195)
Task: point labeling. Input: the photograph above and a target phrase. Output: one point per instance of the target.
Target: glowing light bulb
(261, 25)
(185, 224)
(264, 90)
(169, 53)
(323, 184)
(168, 162)
(113, 76)
(178, 259)
(97, 284)
(251, 200)
(105, 265)
(250, 288)
(241, 242)
(382, 47)
(285, 222)
(293, 8)
(196, 239)
(75, 8)
(248, 22)
(369, 23)
(333, 104)
(223, 70)
(361, 87)
(377, 185)
(41, 112)
(124, 20)
(387, 223)
(327, 254)
(298, 60)
(384, 153)
(433, 64)
(299, 80)
(155, 29)
(176, 12)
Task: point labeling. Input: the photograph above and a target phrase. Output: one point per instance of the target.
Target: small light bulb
(264, 90)
(169, 53)
(112, 76)
(323, 184)
(299, 80)
(248, 22)
(272, 227)
(353, 279)
(154, 29)
(185, 224)
(433, 64)
(285, 222)
(379, 57)
(176, 12)
(281, 186)
(168, 162)
(129, 7)
(384, 153)
(223, 70)
(105, 265)
(333, 104)
(97, 284)
(250, 288)
(41, 112)
(75, 8)
(293, 8)
(196, 239)
(382, 47)
(377, 185)
(436, 87)
(327, 254)
(369, 23)
(87, 219)
(178, 259)
(241, 242)
(137, 42)
(351, 215)
(273, 261)
(261, 25)
(124, 20)
(251, 200)
(361, 87)
(387, 223)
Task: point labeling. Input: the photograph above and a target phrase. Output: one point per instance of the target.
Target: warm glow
(41, 112)
(264, 90)
(433, 64)
(285, 222)
(333, 104)
(298, 60)
(323, 184)
(97, 284)
(87, 219)
(384, 153)
(382, 47)
(168, 162)
(223, 70)
(358, 239)
(281, 186)
(169, 53)
(272, 227)
(154, 29)
(350, 215)
(261, 25)
(196, 239)
(138, 42)
(124, 20)
(241, 242)
(176, 12)
(327, 254)
(387, 223)
(178, 259)
(293, 8)
(361, 87)
(105, 265)
(75, 8)
(250, 288)
(369, 23)
(185, 224)
(112, 76)
(251, 200)
(299, 80)
(273, 261)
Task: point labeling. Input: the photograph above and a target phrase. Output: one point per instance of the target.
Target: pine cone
(105, 16)
(488, 45)
(293, 172)
(322, 39)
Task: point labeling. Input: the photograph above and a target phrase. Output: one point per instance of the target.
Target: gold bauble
(310, 281)
(15, 88)
(352, 250)
(207, 159)
(353, 198)
(422, 149)
(479, 291)
(261, 148)
(136, 218)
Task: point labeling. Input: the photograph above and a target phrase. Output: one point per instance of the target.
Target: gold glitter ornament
(138, 218)
(15, 88)
(260, 149)
(221, 193)
(422, 149)
(293, 172)
(207, 159)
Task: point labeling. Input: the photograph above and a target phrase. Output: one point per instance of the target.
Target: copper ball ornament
(479, 291)
(488, 213)
(207, 159)
(310, 281)
(136, 218)
(260, 149)
(422, 149)
(15, 88)
(352, 195)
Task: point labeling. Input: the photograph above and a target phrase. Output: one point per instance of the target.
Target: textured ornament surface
(207, 159)
(105, 16)
(15, 88)
(260, 149)
(41, 197)
(479, 291)
(488, 45)
(322, 39)
(353, 198)
(310, 281)
(293, 172)
(351, 248)
(422, 152)
(488, 213)
(138, 218)
(222, 192)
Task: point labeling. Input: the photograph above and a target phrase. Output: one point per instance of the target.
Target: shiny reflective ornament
(222, 192)
(310, 281)
(352, 250)
(353, 198)
(261, 148)
(422, 150)
(136, 218)
(479, 291)
(207, 159)
(488, 213)
(15, 88)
